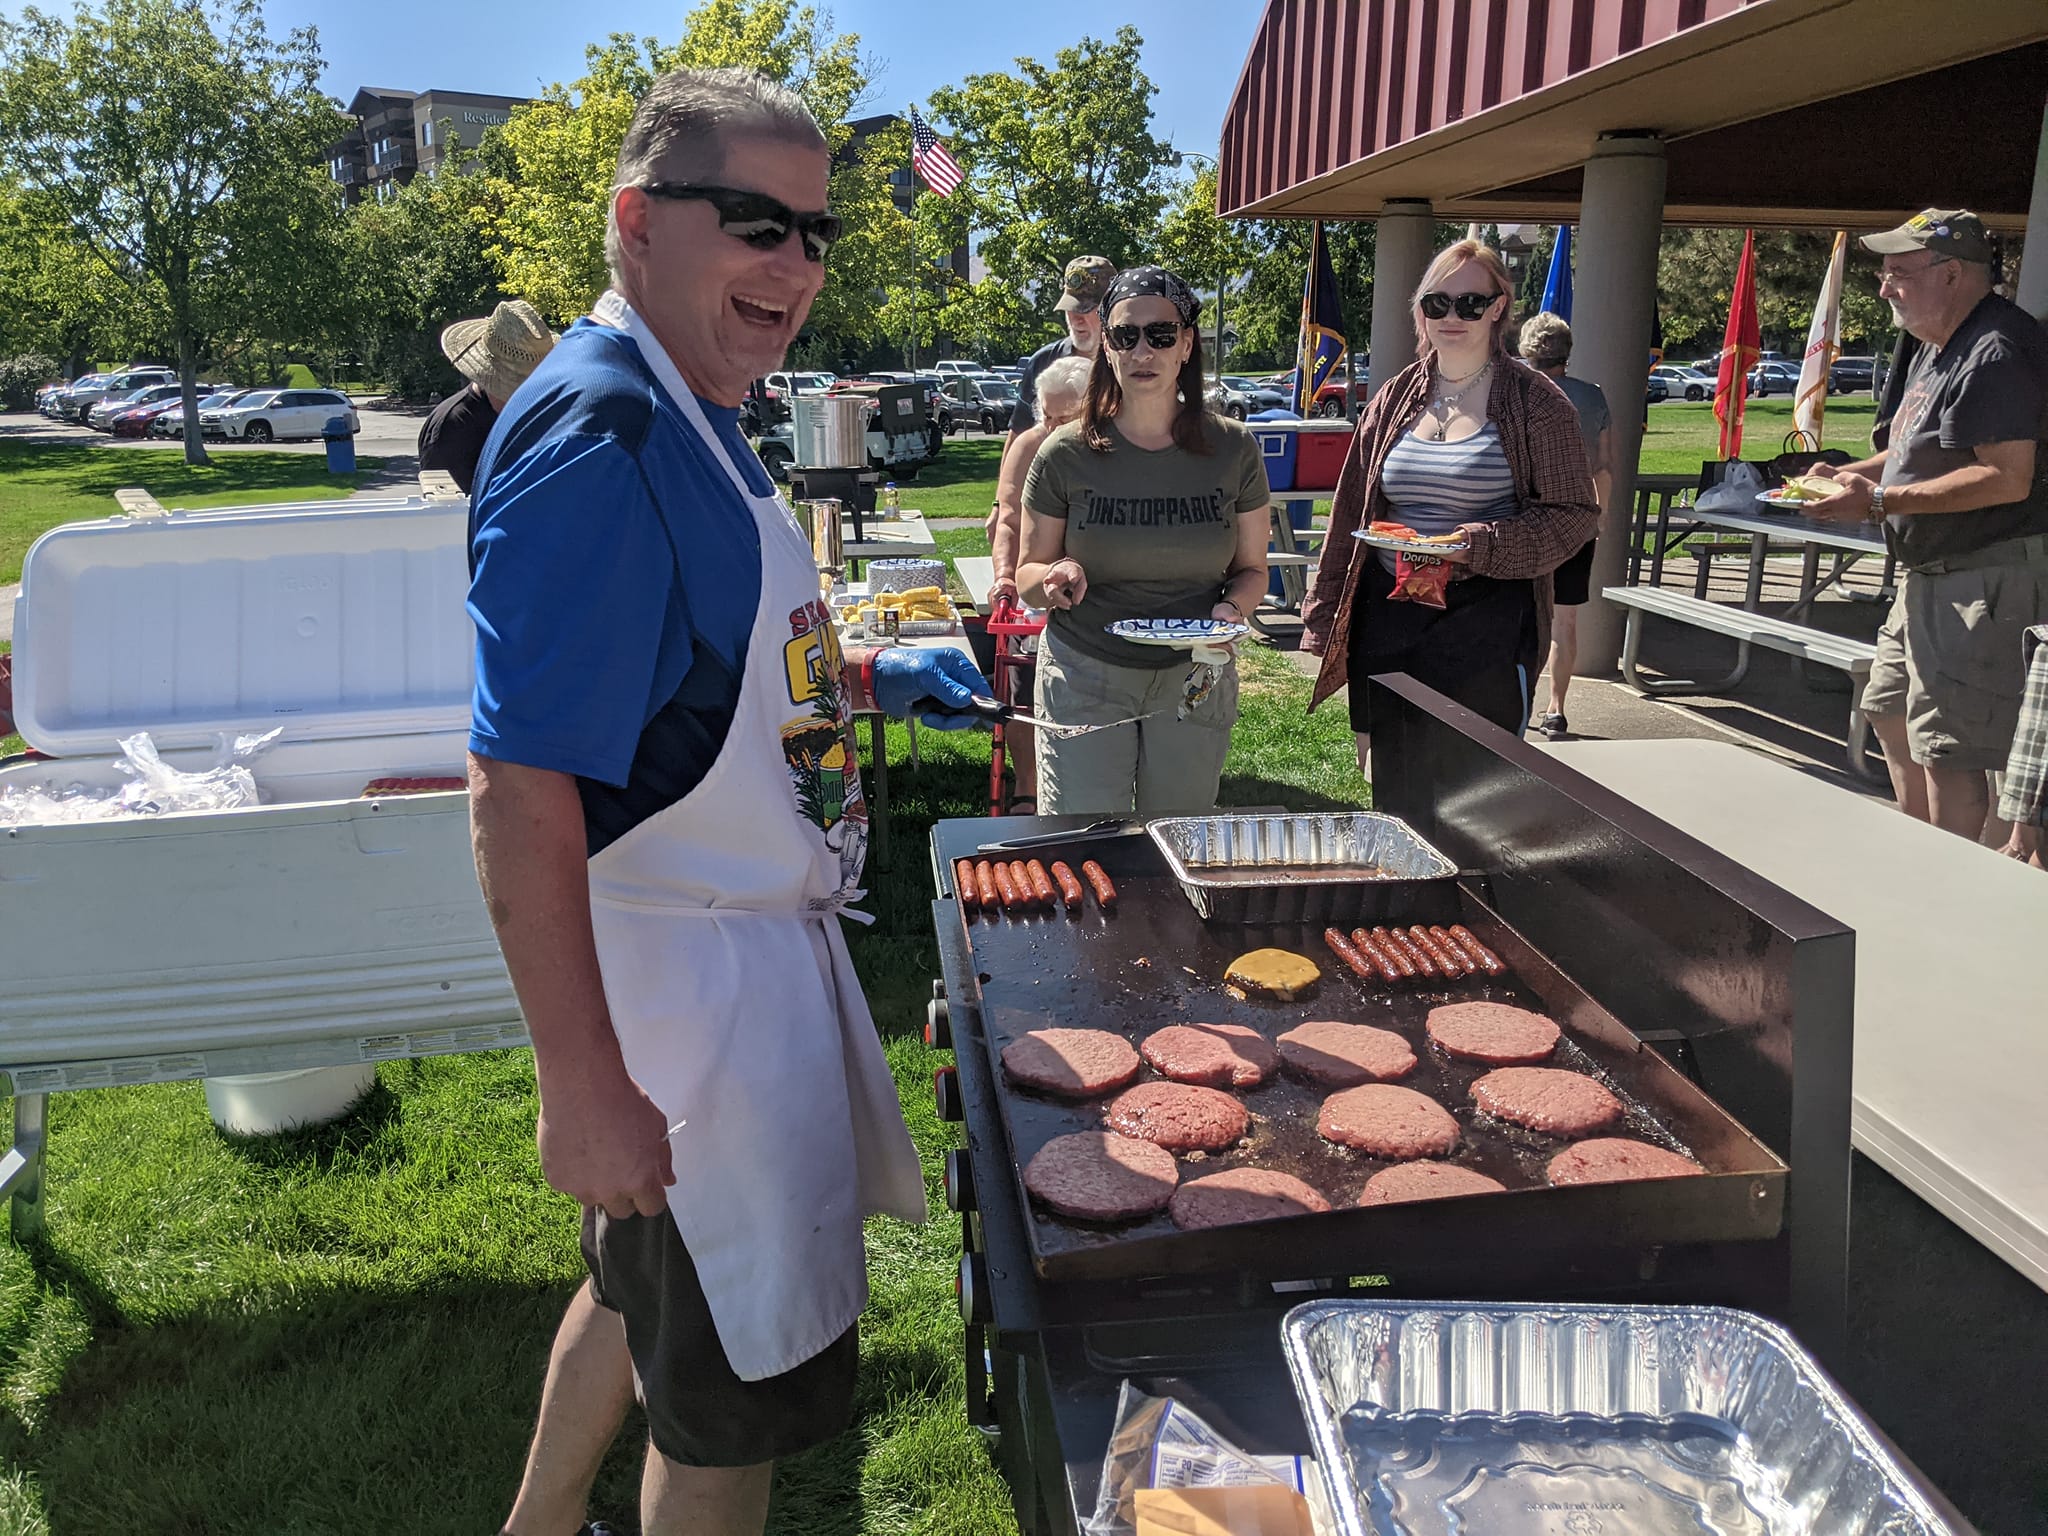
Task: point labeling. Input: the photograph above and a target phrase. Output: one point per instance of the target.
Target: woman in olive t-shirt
(1149, 507)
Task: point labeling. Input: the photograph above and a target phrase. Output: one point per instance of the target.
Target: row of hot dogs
(1405, 954)
(1022, 885)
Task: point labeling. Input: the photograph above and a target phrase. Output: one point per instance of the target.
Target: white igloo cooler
(322, 930)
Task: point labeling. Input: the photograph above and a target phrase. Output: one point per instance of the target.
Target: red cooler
(1319, 454)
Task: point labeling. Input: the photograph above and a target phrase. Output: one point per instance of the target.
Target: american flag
(941, 172)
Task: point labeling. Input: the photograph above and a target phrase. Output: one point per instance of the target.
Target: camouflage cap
(1087, 280)
(1953, 232)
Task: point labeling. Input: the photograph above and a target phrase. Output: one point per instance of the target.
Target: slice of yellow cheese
(1277, 973)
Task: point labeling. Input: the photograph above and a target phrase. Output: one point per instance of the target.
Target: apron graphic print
(818, 744)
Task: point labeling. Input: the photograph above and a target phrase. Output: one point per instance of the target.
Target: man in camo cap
(1086, 281)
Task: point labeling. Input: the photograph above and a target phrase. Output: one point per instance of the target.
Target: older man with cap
(1962, 489)
(1087, 279)
(496, 354)
(668, 822)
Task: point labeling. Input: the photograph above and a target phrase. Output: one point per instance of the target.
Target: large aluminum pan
(1430, 1419)
(1333, 867)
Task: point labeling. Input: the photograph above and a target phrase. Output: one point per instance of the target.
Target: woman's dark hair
(1106, 397)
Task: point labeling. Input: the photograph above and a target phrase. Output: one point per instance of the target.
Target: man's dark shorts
(699, 1414)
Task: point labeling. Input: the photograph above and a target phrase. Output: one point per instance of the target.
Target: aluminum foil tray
(1461, 1418)
(1341, 867)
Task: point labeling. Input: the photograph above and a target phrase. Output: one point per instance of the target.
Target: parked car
(1852, 375)
(1773, 379)
(101, 417)
(1655, 389)
(784, 384)
(980, 400)
(957, 368)
(276, 415)
(1260, 397)
(171, 421)
(1329, 401)
(1685, 383)
(134, 420)
(81, 398)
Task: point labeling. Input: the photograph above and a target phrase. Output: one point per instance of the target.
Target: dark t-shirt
(1987, 384)
(455, 434)
(1025, 415)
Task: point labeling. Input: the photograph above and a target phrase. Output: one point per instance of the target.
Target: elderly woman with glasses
(1148, 507)
(1459, 445)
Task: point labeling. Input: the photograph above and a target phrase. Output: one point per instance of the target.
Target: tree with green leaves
(1208, 252)
(550, 200)
(55, 296)
(183, 147)
(1061, 162)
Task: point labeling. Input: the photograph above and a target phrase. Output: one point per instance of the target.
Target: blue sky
(1193, 48)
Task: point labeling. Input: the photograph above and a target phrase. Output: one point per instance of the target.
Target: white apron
(730, 988)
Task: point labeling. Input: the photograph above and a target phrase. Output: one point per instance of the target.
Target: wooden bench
(1747, 629)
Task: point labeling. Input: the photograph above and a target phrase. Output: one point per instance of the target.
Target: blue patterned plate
(1182, 634)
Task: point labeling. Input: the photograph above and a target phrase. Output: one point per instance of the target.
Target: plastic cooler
(1320, 448)
(1278, 446)
(323, 930)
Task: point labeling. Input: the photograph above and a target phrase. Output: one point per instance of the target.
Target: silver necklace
(1443, 405)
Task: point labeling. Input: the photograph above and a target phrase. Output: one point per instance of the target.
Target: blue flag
(1322, 321)
(1557, 287)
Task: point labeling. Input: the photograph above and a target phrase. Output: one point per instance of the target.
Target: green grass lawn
(43, 485)
(1682, 436)
(344, 1330)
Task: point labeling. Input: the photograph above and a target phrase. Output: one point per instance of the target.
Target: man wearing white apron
(668, 821)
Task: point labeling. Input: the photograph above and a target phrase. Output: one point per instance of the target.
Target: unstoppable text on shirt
(1153, 511)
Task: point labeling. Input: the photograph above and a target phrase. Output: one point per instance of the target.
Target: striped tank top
(1434, 487)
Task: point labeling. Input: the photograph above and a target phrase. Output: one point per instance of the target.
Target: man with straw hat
(495, 354)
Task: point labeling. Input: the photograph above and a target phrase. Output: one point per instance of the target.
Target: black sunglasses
(755, 217)
(1159, 335)
(1470, 306)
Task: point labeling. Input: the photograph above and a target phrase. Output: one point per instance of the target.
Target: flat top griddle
(1152, 962)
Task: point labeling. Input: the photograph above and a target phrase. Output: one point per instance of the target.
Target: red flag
(1740, 347)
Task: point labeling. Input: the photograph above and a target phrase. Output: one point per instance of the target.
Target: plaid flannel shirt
(2024, 799)
(1539, 430)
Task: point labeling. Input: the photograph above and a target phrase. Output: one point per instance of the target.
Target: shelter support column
(1621, 216)
(1402, 248)
(2031, 291)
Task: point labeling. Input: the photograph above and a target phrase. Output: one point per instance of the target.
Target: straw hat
(498, 352)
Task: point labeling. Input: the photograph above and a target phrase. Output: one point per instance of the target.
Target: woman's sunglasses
(755, 217)
(1159, 335)
(1470, 306)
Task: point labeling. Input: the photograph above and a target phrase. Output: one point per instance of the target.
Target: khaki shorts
(1162, 766)
(1949, 661)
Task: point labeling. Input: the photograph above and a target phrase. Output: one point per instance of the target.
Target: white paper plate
(1407, 546)
(1181, 634)
(1778, 503)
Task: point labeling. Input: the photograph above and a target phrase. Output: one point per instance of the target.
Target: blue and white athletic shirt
(615, 572)
(1435, 487)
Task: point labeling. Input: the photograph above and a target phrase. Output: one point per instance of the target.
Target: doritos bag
(1418, 577)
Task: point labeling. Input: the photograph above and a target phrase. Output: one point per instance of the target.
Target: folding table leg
(878, 800)
(21, 1170)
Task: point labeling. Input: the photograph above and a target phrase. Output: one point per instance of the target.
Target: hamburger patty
(1243, 1194)
(1617, 1160)
(1070, 1063)
(1094, 1176)
(1345, 1055)
(1425, 1181)
(1182, 1117)
(1219, 1055)
(1495, 1033)
(1547, 1099)
(1388, 1121)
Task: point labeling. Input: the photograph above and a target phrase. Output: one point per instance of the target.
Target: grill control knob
(938, 1025)
(959, 1182)
(971, 1286)
(946, 1093)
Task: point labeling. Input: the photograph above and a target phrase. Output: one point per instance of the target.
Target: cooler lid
(331, 619)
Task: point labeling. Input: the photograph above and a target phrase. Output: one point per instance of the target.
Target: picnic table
(897, 538)
(1949, 1052)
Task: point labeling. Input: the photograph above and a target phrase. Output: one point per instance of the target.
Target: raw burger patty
(1179, 1116)
(1425, 1181)
(1072, 1063)
(1493, 1033)
(1094, 1176)
(1345, 1055)
(1546, 1099)
(1388, 1122)
(1243, 1194)
(1617, 1160)
(1220, 1055)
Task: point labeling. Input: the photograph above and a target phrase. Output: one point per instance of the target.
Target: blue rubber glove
(935, 684)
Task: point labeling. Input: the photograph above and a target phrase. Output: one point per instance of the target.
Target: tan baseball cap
(1953, 232)
(1087, 280)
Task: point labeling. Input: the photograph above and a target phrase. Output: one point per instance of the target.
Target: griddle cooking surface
(1152, 962)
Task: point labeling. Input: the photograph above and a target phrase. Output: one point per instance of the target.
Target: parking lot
(384, 434)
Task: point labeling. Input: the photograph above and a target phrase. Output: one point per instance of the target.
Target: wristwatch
(1877, 504)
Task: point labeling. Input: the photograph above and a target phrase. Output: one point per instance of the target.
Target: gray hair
(684, 121)
(1065, 376)
(1546, 341)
